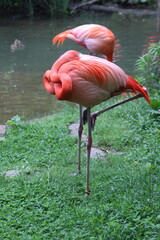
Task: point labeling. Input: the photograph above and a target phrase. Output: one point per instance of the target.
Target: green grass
(45, 202)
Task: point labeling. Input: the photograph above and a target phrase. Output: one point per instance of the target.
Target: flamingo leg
(96, 114)
(80, 130)
(89, 145)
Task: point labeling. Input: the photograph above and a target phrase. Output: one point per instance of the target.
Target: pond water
(21, 71)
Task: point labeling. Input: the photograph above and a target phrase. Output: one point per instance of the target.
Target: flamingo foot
(87, 192)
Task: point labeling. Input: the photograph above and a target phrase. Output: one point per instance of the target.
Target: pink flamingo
(96, 38)
(88, 81)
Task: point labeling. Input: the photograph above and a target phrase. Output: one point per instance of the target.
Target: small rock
(12, 173)
(2, 130)
(96, 152)
(74, 130)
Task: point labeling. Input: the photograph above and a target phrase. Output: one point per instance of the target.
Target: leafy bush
(149, 72)
(11, 4)
(148, 67)
(48, 6)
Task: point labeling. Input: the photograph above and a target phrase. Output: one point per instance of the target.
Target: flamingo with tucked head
(88, 81)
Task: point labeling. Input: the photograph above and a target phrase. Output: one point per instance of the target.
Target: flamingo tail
(137, 88)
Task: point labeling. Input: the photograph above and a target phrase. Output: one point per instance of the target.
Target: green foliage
(11, 4)
(148, 67)
(48, 6)
(58, 5)
(45, 202)
(15, 121)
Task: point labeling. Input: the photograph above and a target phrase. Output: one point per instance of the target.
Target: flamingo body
(88, 80)
(96, 38)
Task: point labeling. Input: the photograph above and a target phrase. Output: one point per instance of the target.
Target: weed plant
(45, 202)
(148, 67)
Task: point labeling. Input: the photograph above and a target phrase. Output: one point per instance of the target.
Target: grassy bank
(45, 202)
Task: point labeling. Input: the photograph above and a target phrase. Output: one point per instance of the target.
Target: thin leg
(96, 114)
(84, 117)
(80, 130)
(89, 145)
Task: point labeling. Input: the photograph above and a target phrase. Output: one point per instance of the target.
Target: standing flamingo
(96, 38)
(88, 81)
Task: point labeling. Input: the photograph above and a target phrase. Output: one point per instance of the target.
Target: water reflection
(21, 89)
(154, 38)
(117, 51)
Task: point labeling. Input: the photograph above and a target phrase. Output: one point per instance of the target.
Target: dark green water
(21, 71)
